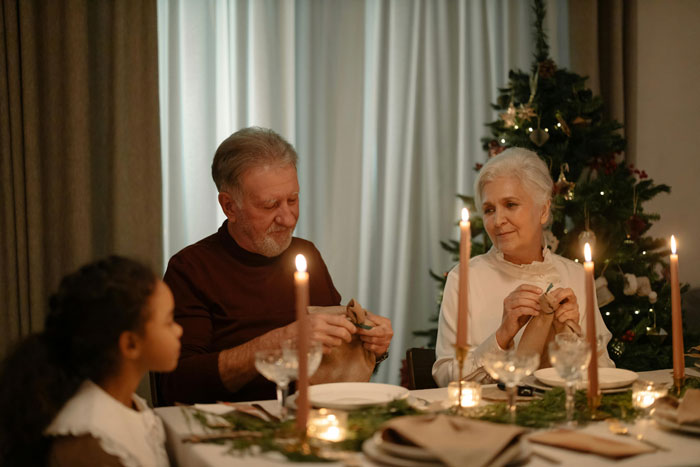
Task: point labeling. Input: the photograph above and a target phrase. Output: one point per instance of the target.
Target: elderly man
(234, 290)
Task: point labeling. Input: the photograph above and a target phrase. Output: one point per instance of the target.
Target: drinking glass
(510, 367)
(569, 355)
(289, 349)
(273, 365)
(281, 366)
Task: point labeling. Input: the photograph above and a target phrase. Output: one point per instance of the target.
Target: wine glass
(272, 364)
(281, 366)
(291, 354)
(569, 355)
(510, 367)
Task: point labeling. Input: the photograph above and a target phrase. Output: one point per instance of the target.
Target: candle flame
(465, 214)
(301, 263)
(587, 252)
(673, 245)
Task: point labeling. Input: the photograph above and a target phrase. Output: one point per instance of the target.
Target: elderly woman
(513, 191)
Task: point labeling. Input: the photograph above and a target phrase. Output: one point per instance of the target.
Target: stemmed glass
(569, 355)
(281, 366)
(510, 367)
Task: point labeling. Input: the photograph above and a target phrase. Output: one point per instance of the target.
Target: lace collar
(136, 437)
(538, 271)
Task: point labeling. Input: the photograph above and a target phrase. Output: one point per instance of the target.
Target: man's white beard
(267, 246)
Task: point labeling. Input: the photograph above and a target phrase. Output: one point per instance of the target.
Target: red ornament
(628, 335)
(636, 226)
(495, 148)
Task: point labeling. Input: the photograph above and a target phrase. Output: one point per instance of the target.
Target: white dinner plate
(666, 417)
(608, 378)
(348, 396)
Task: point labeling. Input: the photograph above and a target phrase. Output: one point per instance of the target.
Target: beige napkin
(348, 362)
(689, 407)
(577, 441)
(541, 329)
(457, 441)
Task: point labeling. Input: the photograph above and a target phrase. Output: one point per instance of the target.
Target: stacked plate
(387, 452)
(609, 379)
(399, 455)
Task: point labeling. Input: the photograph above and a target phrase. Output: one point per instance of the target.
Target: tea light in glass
(645, 393)
(471, 394)
(327, 425)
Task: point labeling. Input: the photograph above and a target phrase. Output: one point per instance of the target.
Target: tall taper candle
(589, 269)
(676, 319)
(301, 286)
(465, 246)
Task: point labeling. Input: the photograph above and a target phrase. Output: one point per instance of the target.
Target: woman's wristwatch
(381, 358)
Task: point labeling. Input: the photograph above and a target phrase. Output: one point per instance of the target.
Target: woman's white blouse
(491, 279)
(136, 437)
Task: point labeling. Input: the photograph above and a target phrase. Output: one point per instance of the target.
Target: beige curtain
(603, 47)
(79, 146)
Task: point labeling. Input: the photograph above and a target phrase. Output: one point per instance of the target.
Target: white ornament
(630, 284)
(602, 292)
(643, 286)
(550, 240)
(652, 297)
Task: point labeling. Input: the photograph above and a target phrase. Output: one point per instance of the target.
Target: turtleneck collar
(241, 254)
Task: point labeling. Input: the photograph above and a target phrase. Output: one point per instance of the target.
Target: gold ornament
(563, 186)
(508, 116)
(562, 124)
(539, 137)
(525, 112)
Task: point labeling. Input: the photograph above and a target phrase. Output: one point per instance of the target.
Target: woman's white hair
(523, 164)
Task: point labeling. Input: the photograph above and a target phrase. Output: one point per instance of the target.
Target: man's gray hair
(521, 163)
(248, 148)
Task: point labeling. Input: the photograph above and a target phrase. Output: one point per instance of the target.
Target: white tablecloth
(684, 448)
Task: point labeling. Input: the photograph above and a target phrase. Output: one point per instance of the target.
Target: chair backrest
(420, 368)
(154, 379)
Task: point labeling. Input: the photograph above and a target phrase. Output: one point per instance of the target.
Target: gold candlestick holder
(678, 384)
(461, 352)
(594, 401)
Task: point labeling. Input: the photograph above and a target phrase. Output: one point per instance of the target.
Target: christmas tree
(598, 198)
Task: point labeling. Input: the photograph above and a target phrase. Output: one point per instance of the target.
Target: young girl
(67, 394)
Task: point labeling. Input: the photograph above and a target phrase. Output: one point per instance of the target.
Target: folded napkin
(457, 441)
(350, 361)
(689, 407)
(577, 441)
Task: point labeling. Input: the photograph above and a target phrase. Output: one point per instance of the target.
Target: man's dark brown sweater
(226, 296)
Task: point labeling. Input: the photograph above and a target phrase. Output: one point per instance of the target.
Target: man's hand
(330, 330)
(378, 338)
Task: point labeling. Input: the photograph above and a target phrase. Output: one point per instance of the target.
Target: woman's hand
(518, 307)
(566, 305)
(377, 339)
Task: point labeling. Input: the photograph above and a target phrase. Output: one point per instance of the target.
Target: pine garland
(247, 434)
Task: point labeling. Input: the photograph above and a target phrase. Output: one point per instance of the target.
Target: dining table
(680, 448)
